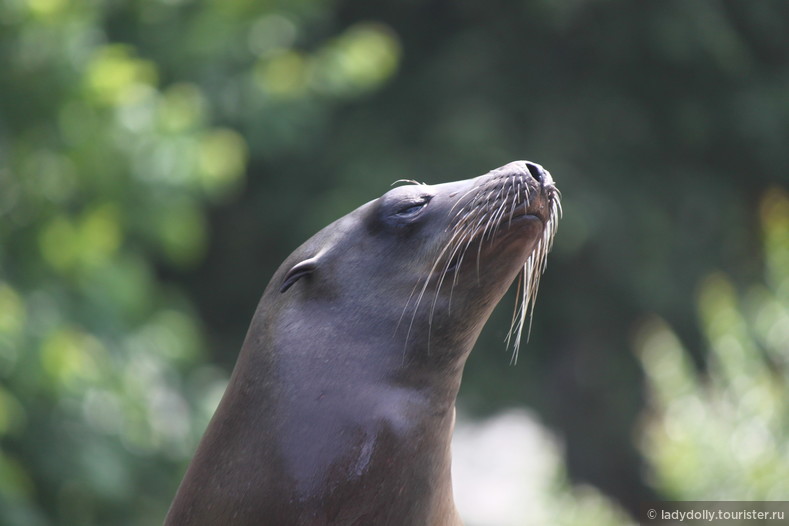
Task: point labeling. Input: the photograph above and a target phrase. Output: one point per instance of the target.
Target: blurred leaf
(721, 437)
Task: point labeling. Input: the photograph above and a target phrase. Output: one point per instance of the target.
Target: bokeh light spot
(222, 160)
(116, 76)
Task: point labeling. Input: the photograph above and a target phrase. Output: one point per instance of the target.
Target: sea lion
(341, 406)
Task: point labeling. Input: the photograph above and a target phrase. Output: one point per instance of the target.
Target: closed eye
(412, 209)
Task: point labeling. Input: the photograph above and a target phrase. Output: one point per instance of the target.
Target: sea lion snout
(519, 189)
(539, 184)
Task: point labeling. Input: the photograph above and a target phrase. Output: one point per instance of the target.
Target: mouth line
(532, 215)
(530, 199)
(522, 212)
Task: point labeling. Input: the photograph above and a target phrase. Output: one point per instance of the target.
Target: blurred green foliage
(715, 435)
(159, 158)
(110, 157)
(724, 435)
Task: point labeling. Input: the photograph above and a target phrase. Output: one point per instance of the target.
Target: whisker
(476, 217)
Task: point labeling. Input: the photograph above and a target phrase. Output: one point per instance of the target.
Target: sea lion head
(424, 265)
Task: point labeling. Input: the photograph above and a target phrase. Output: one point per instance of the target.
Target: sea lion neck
(375, 345)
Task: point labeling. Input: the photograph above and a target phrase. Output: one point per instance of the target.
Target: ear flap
(298, 271)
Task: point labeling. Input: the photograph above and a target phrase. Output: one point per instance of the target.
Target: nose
(521, 168)
(537, 172)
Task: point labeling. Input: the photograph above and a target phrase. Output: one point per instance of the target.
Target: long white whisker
(476, 217)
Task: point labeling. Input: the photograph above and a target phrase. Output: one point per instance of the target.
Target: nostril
(536, 171)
